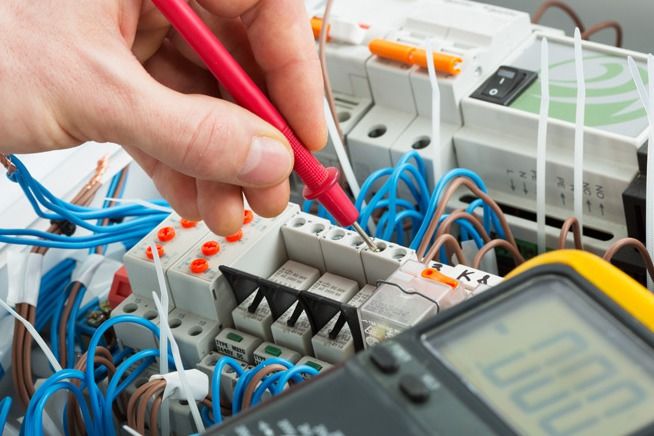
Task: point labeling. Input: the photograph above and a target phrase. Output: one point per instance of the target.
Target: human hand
(112, 71)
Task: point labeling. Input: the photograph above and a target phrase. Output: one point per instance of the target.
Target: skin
(113, 71)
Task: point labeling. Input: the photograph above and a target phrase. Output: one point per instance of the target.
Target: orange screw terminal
(316, 26)
(210, 248)
(198, 266)
(437, 276)
(188, 224)
(410, 55)
(148, 251)
(235, 237)
(248, 216)
(166, 234)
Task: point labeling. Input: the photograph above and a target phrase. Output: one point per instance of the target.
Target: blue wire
(245, 379)
(287, 375)
(5, 407)
(216, 380)
(70, 327)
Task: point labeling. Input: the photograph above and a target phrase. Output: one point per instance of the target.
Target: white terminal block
(342, 251)
(194, 335)
(268, 350)
(228, 377)
(298, 336)
(176, 237)
(381, 264)
(312, 362)
(341, 347)
(292, 274)
(133, 335)
(237, 344)
(198, 285)
(302, 239)
(474, 280)
(413, 293)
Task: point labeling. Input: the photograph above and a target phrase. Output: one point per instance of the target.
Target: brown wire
(17, 356)
(155, 390)
(444, 228)
(451, 244)
(449, 193)
(256, 378)
(154, 415)
(633, 243)
(119, 186)
(322, 42)
(570, 224)
(497, 243)
(595, 28)
(75, 289)
(560, 5)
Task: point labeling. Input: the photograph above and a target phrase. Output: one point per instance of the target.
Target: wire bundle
(138, 219)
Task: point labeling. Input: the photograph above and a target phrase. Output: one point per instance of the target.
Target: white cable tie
(649, 186)
(640, 87)
(140, 202)
(578, 168)
(541, 145)
(37, 337)
(198, 382)
(84, 271)
(341, 154)
(166, 333)
(131, 431)
(437, 159)
(163, 344)
(16, 263)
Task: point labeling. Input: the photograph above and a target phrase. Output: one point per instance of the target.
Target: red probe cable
(320, 183)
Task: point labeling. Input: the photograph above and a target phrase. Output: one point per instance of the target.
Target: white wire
(140, 202)
(541, 145)
(640, 87)
(343, 159)
(131, 431)
(578, 168)
(163, 344)
(437, 159)
(166, 333)
(649, 187)
(37, 337)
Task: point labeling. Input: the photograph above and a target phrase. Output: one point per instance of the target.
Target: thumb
(203, 137)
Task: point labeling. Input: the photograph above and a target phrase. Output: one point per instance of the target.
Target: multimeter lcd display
(549, 360)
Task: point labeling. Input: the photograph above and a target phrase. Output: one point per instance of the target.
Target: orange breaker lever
(320, 183)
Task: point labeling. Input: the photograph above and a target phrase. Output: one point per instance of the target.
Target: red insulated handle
(321, 183)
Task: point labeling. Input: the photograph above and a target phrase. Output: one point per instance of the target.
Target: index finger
(283, 45)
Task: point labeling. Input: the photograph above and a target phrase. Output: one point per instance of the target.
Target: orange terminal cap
(210, 248)
(235, 237)
(199, 266)
(166, 234)
(316, 26)
(148, 251)
(410, 55)
(248, 216)
(437, 276)
(188, 224)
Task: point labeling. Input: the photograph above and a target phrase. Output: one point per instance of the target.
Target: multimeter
(564, 347)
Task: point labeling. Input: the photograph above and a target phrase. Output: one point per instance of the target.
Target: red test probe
(320, 183)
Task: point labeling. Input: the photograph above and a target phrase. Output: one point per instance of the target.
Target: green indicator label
(234, 337)
(273, 351)
(313, 365)
(612, 102)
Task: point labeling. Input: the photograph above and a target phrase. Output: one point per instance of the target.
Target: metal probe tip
(367, 239)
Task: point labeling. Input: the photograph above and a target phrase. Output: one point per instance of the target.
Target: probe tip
(367, 239)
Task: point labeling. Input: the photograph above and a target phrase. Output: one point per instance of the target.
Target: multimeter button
(384, 360)
(414, 389)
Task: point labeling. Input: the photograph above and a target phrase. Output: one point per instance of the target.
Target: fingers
(221, 206)
(200, 136)
(269, 202)
(283, 45)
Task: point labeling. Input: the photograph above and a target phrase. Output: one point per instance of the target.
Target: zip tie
(198, 382)
(24, 270)
(195, 412)
(437, 161)
(346, 165)
(541, 144)
(143, 203)
(84, 271)
(578, 169)
(37, 337)
(131, 431)
(163, 344)
(640, 87)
